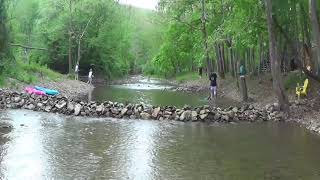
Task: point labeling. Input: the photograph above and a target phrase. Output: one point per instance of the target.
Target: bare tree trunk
(316, 34)
(205, 38)
(275, 65)
(70, 37)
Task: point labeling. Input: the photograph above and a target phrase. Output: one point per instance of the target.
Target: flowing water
(154, 92)
(57, 147)
(49, 146)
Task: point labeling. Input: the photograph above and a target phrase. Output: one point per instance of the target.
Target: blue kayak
(47, 91)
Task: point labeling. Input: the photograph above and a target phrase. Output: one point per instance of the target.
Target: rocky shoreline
(63, 105)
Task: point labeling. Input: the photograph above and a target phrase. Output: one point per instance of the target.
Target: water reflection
(57, 147)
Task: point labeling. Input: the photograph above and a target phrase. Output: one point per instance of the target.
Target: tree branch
(28, 47)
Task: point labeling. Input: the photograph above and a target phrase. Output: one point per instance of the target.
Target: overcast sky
(147, 4)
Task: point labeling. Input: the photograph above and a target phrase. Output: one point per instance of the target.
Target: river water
(57, 147)
(49, 146)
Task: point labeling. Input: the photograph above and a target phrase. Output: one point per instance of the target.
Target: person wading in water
(213, 85)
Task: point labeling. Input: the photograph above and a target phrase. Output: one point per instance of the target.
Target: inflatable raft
(47, 91)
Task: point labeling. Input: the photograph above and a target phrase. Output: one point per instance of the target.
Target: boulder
(186, 116)
(235, 110)
(48, 108)
(70, 107)
(61, 104)
(100, 108)
(194, 116)
(31, 107)
(203, 116)
(145, 115)
(77, 109)
(124, 111)
(155, 112)
(17, 99)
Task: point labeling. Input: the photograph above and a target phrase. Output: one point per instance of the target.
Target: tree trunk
(275, 65)
(316, 34)
(70, 38)
(205, 38)
(4, 47)
(243, 88)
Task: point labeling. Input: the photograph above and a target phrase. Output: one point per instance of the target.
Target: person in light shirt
(90, 76)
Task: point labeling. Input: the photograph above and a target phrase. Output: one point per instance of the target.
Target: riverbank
(67, 87)
(304, 112)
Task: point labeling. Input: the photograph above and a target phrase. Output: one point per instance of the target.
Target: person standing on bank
(213, 85)
(76, 72)
(90, 76)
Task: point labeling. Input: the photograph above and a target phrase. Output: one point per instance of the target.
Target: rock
(186, 116)
(194, 116)
(70, 107)
(124, 111)
(77, 109)
(31, 107)
(100, 108)
(17, 99)
(203, 116)
(145, 116)
(48, 108)
(217, 116)
(276, 106)
(225, 118)
(251, 107)
(115, 111)
(202, 112)
(61, 104)
(155, 112)
(235, 110)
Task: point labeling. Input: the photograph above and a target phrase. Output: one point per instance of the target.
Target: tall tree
(205, 37)
(275, 60)
(4, 47)
(316, 34)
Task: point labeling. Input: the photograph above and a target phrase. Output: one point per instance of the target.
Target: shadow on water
(58, 147)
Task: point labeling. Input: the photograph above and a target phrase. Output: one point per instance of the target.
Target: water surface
(51, 146)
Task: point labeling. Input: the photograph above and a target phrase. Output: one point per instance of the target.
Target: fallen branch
(28, 47)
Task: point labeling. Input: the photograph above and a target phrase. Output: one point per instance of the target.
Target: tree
(316, 33)
(275, 61)
(4, 47)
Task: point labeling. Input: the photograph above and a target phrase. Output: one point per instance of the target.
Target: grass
(28, 73)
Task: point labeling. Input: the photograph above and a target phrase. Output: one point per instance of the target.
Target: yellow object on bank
(302, 90)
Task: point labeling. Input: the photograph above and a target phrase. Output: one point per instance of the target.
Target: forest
(180, 36)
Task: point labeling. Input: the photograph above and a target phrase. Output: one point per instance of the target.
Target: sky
(147, 4)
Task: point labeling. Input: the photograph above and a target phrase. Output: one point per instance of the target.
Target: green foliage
(293, 78)
(187, 77)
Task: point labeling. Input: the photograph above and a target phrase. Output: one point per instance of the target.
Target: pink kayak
(31, 90)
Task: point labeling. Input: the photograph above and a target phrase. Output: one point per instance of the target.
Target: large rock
(203, 116)
(100, 108)
(17, 99)
(70, 107)
(186, 116)
(155, 112)
(31, 107)
(194, 116)
(124, 111)
(145, 115)
(77, 109)
(61, 104)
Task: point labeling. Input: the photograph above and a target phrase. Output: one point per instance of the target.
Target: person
(76, 71)
(213, 85)
(242, 70)
(90, 76)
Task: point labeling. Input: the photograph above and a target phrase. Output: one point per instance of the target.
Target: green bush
(189, 76)
(292, 79)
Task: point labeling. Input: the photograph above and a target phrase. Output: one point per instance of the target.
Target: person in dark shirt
(213, 85)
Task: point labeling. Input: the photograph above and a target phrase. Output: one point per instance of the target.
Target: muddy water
(47, 146)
